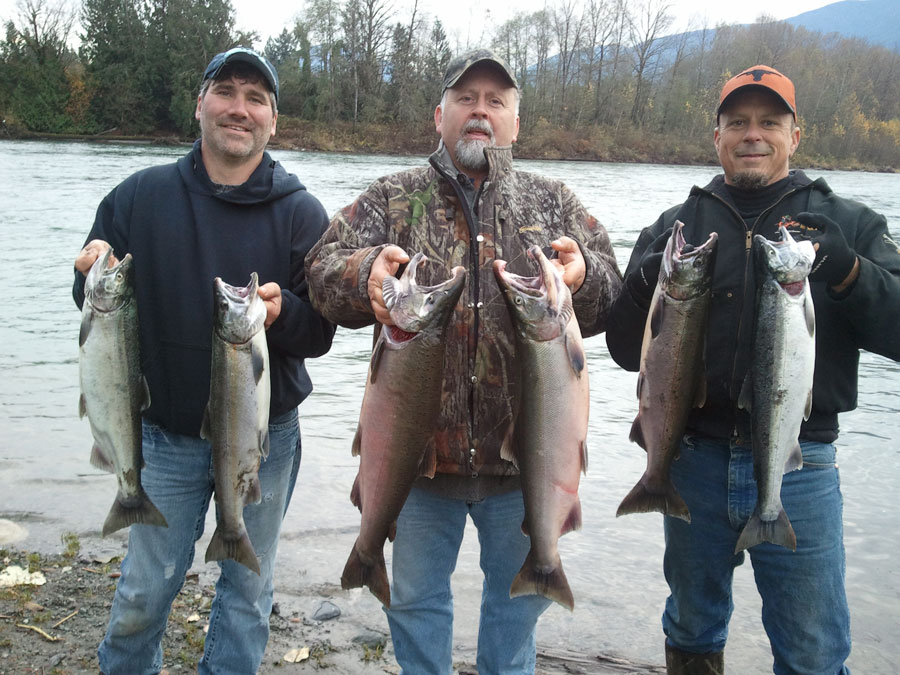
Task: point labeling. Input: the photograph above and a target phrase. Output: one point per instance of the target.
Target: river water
(48, 194)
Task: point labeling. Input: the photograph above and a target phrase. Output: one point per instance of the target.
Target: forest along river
(48, 195)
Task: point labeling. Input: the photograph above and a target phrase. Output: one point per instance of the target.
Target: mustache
(479, 125)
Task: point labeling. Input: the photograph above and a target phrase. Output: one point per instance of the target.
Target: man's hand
(271, 297)
(570, 261)
(386, 265)
(88, 255)
(836, 263)
(642, 282)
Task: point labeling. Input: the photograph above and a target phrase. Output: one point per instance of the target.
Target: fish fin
(656, 319)
(264, 442)
(357, 441)
(100, 459)
(794, 460)
(206, 426)
(254, 493)
(356, 494)
(745, 400)
(700, 385)
(258, 361)
(642, 500)
(573, 520)
(636, 435)
(361, 571)
(239, 550)
(145, 394)
(810, 313)
(506, 448)
(584, 457)
(376, 360)
(808, 409)
(87, 320)
(549, 582)
(428, 463)
(576, 355)
(82, 407)
(778, 531)
(122, 515)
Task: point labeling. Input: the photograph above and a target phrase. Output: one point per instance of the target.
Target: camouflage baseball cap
(461, 64)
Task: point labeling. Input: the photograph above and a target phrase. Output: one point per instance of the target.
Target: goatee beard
(470, 153)
(751, 181)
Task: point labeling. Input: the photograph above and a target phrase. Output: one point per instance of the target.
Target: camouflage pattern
(420, 210)
(458, 66)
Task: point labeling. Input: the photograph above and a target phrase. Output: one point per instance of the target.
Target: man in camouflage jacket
(466, 208)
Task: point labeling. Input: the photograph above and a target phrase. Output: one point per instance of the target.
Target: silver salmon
(778, 388)
(113, 390)
(672, 380)
(400, 403)
(236, 421)
(549, 438)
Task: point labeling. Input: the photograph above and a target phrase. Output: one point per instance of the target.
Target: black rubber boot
(689, 663)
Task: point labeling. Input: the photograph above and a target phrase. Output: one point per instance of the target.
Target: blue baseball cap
(246, 55)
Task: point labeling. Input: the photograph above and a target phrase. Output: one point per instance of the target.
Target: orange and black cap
(764, 77)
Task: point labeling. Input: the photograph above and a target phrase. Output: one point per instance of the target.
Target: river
(48, 194)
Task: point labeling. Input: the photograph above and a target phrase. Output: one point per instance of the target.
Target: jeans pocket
(818, 456)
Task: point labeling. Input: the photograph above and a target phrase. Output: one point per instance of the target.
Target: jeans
(804, 607)
(178, 477)
(429, 534)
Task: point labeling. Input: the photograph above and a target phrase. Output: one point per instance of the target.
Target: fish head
(788, 261)
(238, 313)
(540, 306)
(686, 270)
(108, 288)
(419, 309)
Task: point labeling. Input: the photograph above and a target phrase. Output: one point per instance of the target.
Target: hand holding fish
(570, 262)
(271, 297)
(386, 265)
(89, 254)
(836, 263)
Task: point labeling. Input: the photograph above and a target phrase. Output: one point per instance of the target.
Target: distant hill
(876, 21)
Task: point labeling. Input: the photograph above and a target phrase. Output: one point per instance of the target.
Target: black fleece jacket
(866, 316)
(182, 234)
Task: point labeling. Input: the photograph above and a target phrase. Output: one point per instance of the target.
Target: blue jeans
(429, 534)
(804, 607)
(178, 477)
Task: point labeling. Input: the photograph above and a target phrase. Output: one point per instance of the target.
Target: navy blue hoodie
(182, 234)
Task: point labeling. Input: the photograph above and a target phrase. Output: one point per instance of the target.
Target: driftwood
(552, 661)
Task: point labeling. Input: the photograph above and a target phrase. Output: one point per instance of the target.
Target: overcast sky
(466, 21)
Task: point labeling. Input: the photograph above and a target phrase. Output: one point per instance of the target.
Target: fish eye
(519, 300)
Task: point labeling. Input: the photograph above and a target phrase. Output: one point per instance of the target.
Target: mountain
(875, 21)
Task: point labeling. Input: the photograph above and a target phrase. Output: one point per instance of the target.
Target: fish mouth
(533, 286)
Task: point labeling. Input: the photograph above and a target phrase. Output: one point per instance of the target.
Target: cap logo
(757, 74)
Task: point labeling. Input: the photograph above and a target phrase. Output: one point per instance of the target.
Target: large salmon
(549, 437)
(672, 380)
(401, 401)
(778, 389)
(113, 390)
(236, 421)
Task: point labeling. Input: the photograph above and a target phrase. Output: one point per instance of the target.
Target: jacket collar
(499, 162)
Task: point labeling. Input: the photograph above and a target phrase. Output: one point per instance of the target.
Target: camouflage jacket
(424, 210)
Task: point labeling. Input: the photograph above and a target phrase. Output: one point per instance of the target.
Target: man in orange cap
(855, 287)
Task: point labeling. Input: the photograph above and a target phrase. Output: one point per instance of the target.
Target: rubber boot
(689, 663)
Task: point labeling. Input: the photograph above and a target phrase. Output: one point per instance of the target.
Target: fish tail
(239, 550)
(551, 582)
(122, 514)
(642, 500)
(362, 570)
(757, 530)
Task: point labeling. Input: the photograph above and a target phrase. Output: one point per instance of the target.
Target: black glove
(642, 281)
(834, 257)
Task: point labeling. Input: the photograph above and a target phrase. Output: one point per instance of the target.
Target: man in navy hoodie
(225, 209)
